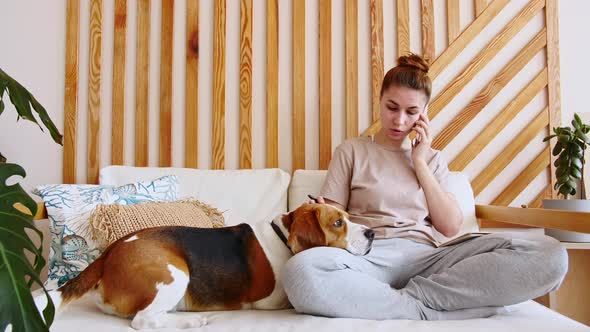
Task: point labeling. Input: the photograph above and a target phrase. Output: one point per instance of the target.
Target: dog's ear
(305, 232)
(287, 220)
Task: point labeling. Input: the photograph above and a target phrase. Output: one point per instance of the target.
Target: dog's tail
(74, 288)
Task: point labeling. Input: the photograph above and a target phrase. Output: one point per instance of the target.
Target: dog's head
(317, 225)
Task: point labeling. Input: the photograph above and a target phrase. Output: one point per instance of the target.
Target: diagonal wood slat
(298, 85)
(551, 19)
(480, 6)
(466, 37)
(428, 51)
(455, 48)
(219, 85)
(272, 83)
(71, 91)
(376, 55)
(351, 68)
(325, 81)
(490, 91)
(142, 83)
(486, 55)
(403, 27)
(191, 84)
(119, 80)
(502, 160)
(246, 84)
(453, 20)
(94, 79)
(167, 34)
(523, 179)
(499, 122)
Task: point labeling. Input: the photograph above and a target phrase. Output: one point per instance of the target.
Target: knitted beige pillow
(110, 222)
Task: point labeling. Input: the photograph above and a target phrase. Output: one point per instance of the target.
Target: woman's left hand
(421, 144)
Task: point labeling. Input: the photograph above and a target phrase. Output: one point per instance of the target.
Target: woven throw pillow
(69, 206)
(110, 222)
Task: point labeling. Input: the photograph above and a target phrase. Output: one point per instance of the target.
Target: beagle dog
(151, 272)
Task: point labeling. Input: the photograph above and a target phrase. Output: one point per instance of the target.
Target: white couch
(257, 195)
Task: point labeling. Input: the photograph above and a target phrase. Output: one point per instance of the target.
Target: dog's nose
(369, 234)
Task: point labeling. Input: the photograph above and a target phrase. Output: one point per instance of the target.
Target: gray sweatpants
(403, 279)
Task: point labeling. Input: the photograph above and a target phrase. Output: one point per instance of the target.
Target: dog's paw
(190, 321)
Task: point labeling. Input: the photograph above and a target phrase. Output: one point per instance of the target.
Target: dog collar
(280, 234)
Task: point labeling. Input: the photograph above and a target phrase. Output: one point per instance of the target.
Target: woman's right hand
(320, 200)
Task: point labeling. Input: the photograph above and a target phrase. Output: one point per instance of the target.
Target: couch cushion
(69, 207)
(310, 182)
(242, 195)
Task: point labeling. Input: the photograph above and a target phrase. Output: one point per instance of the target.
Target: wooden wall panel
(191, 137)
(551, 15)
(142, 83)
(94, 78)
(167, 33)
(71, 91)
(272, 83)
(325, 80)
(246, 84)
(331, 108)
(453, 20)
(403, 27)
(351, 68)
(376, 55)
(428, 50)
(119, 82)
(298, 85)
(219, 85)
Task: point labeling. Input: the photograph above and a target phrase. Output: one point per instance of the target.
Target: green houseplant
(570, 149)
(17, 274)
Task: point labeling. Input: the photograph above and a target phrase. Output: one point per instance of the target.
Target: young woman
(399, 190)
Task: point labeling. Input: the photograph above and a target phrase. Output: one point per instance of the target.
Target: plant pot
(580, 205)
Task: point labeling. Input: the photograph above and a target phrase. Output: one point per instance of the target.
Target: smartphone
(313, 198)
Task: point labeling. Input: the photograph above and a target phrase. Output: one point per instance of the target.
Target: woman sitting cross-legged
(399, 191)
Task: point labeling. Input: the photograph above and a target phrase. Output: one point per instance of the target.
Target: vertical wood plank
(142, 83)
(272, 83)
(376, 55)
(94, 78)
(71, 91)
(192, 85)
(246, 84)
(453, 20)
(403, 27)
(167, 35)
(119, 77)
(480, 6)
(552, 22)
(219, 85)
(298, 85)
(428, 30)
(325, 82)
(351, 67)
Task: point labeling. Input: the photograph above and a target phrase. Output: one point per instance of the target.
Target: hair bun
(413, 60)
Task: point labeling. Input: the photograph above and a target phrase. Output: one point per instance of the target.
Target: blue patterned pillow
(68, 208)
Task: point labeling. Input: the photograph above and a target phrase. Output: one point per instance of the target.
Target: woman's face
(400, 109)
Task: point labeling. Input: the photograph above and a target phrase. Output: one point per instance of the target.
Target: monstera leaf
(17, 274)
(22, 100)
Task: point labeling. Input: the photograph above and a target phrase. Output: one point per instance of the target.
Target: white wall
(33, 49)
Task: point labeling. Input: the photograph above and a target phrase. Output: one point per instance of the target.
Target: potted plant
(570, 148)
(17, 274)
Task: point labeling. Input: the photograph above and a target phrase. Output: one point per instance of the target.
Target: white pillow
(310, 182)
(248, 195)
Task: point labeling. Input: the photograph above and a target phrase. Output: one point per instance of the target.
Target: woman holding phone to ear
(400, 190)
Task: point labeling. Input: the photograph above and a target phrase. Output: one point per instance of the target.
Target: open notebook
(462, 238)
